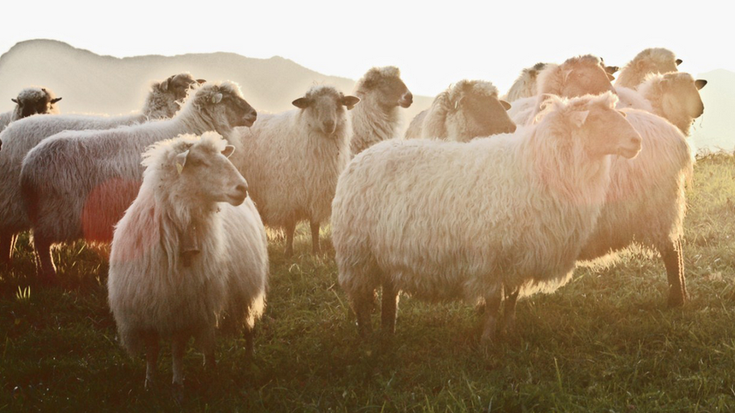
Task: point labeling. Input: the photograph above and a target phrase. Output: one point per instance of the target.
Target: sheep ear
(610, 77)
(55, 100)
(611, 69)
(165, 84)
(227, 152)
(566, 74)
(578, 118)
(200, 81)
(700, 83)
(678, 62)
(217, 98)
(14, 100)
(181, 161)
(505, 104)
(350, 101)
(302, 103)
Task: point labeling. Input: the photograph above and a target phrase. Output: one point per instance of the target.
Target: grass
(604, 343)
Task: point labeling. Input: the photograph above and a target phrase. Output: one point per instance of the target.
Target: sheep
(77, 184)
(292, 160)
(525, 85)
(155, 290)
(577, 76)
(653, 60)
(674, 96)
(509, 213)
(378, 118)
(30, 101)
(468, 109)
(21, 136)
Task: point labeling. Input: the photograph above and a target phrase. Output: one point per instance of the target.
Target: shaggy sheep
(21, 136)
(158, 286)
(525, 85)
(509, 213)
(292, 160)
(654, 60)
(77, 184)
(30, 101)
(646, 201)
(674, 96)
(468, 109)
(577, 76)
(378, 118)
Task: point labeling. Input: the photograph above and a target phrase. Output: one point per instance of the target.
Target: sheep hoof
(150, 384)
(677, 300)
(178, 393)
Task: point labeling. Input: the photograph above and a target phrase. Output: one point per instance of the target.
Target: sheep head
(165, 97)
(386, 86)
(324, 108)
(31, 101)
(575, 77)
(222, 106)
(474, 110)
(675, 96)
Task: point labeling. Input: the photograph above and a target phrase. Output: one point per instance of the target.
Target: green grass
(604, 343)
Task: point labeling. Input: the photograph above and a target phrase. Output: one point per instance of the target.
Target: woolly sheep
(292, 160)
(30, 101)
(575, 77)
(525, 85)
(509, 213)
(653, 60)
(21, 136)
(77, 184)
(674, 96)
(159, 287)
(377, 118)
(468, 109)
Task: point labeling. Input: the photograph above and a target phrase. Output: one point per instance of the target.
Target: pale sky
(433, 45)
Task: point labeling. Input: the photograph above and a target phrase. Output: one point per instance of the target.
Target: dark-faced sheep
(30, 101)
(77, 184)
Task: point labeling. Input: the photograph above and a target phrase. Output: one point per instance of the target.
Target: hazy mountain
(92, 83)
(716, 128)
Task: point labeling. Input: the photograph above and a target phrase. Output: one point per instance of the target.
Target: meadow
(606, 342)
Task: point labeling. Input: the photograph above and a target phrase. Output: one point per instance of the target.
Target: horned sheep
(20, 137)
(30, 101)
(155, 290)
(292, 160)
(502, 216)
(77, 184)
(377, 118)
(464, 111)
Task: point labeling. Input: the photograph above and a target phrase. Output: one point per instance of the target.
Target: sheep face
(224, 106)
(479, 115)
(387, 86)
(205, 173)
(325, 109)
(35, 101)
(681, 99)
(585, 79)
(177, 86)
(601, 129)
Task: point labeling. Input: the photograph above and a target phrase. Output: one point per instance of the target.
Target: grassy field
(606, 342)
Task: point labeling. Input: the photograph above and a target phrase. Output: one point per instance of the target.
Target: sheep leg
(362, 304)
(178, 345)
(249, 335)
(45, 268)
(509, 310)
(492, 307)
(673, 257)
(7, 247)
(389, 309)
(315, 249)
(290, 229)
(151, 360)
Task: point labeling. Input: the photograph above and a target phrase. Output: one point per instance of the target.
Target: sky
(433, 46)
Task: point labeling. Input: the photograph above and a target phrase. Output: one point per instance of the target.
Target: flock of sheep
(486, 198)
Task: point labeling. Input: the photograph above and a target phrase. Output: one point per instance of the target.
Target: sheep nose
(406, 100)
(511, 128)
(329, 127)
(251, 117)
(242, 190)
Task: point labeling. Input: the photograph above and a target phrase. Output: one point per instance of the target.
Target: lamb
(575, 77)
(674, 96)
(21, 136)
(30, 101)
(292, 160)
(77, 184)
(506, 214)
(155, 290)
(378, 118)
(653, 60)
(468, 109)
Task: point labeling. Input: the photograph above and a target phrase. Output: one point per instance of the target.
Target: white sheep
(653, 60)
(30, 101)
(525, 85)
(444, 220)
(464, 111)
(577, 76)
(158, 286)
(674, 96)
(377, 117)
(77, 184)
(292, 160)
(21, 136)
